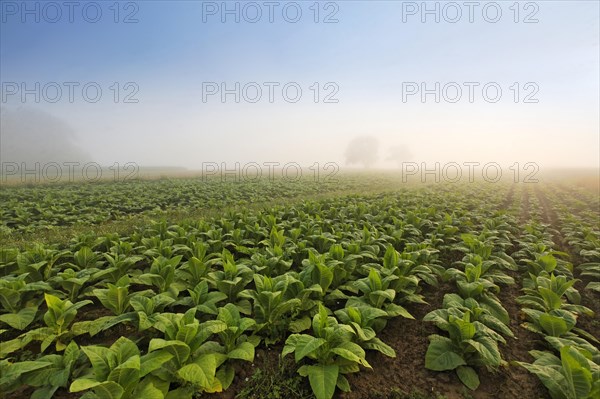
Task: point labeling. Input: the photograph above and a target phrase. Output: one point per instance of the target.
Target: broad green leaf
(299, 325)
(229, 314)
(181, 393)
(147, 390)
(394, 310)
(244, 351)
(307, 344)
(378, 345)
(488, 350)
(81, 384)
(342, 383)
(496, 309)
(323, 380)
(109, 390)
(225, 375)
(8, 347)
(440, 356)
(574, 369)
(153, 361)
(201, 373)
(551, 299)
(552, 379)
(548, 262)
(15, 370)
(352, 352)
(462, 329)
(390, 258)
(553, 325)
(323, 276)
(468, 376)
(98, 357)
(21, 319)
(179, 350)
(124, 348)
(194, 374)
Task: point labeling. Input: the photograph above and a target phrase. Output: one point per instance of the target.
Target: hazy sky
(374, 55)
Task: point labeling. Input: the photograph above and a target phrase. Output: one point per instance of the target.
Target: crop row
(473, 317)
(35, 208)
(570, 368)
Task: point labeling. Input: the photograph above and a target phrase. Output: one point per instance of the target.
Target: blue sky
(367, 54)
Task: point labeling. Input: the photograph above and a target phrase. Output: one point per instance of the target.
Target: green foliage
(116, 297)
(204, 300)
(58, 319)
(194, 359)
(198, 264)
(72, 281)
(332, 351)
(573, 376)
(148, 309)
(118, 372)
(548, 295)
(162, 275)
(20, 300)
(454, 305)
(119, 266)
(46, 374)
(363, 320)
(233, 336)
(232, 279)
(274, 304)
(415, 264)
(200, 291)
(376, 292)
(478, 281)
(467, 344)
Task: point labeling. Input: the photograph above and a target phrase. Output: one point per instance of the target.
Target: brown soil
(509, 198)
(275, 369)
(406, 372)
(524, 217)
(550, 218)
(591, 299)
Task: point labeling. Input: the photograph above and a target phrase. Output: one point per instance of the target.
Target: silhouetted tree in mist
(31, 135)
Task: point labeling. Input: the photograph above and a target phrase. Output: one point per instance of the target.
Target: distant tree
(362, 150)
(31, 135)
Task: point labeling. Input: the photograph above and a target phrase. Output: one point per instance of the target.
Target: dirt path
(524, 215)
(509, 198)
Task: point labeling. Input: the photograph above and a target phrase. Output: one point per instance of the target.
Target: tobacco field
(360, 288)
